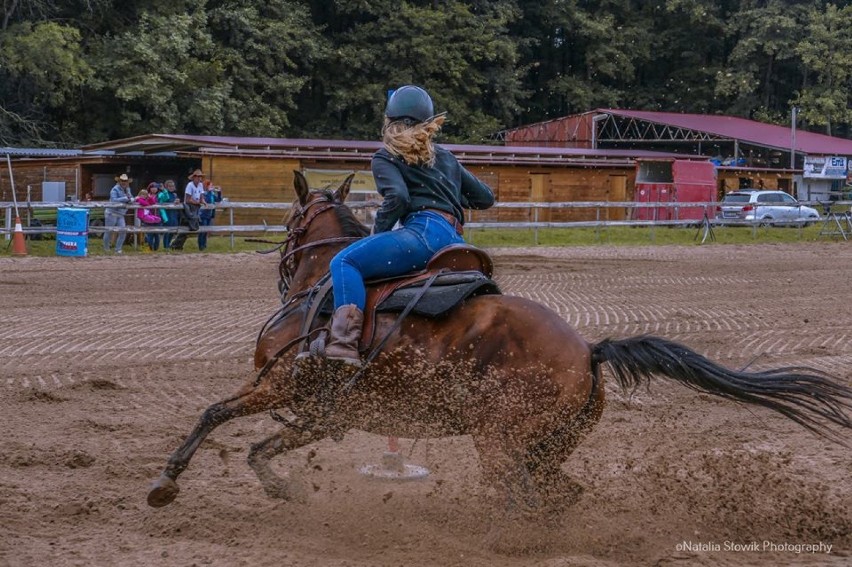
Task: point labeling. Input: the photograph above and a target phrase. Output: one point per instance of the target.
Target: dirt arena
(108, 362)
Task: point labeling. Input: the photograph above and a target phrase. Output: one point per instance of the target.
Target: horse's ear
(342, 192)
(301, 186)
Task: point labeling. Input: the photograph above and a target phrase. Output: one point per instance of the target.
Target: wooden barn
(594, 156)
(261, 170)
(747, 153)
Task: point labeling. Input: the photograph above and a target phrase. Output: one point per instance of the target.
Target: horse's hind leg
(260, 455)
(249, 401)
(513, 526)
(545, 459)
(503, 467)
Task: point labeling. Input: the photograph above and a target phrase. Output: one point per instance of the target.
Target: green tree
(763, 68)
(157, 75)
(459, 51)
(80, 71)
(32, 11)
(42, 69)
(826, 53)
(687, 49)
(212, 67)
(267, 52)
(577, 54)
(621, 53)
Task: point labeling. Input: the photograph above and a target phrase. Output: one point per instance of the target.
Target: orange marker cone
(19, 245)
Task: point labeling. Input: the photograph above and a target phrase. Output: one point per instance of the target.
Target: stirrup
(316, 348)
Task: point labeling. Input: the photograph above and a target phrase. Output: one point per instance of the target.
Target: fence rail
(231, 229)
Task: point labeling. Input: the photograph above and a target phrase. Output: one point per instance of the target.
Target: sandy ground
(108, 362)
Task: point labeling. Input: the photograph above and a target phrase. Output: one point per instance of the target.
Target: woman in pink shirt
(148, 216)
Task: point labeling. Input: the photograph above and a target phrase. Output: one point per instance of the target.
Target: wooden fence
(226, 210)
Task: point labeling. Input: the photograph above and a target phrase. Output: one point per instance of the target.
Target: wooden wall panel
(578, 185)
(511, 185)
(730, 180)
(32, 175)
(557, 184)
(619, 190)
(251, 179)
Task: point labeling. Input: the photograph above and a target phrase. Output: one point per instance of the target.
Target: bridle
(291, 245)
(287, 267)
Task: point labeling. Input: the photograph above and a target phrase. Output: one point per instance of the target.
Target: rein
(282, 312)
(296, 233)
(309, 299)
(324, 242)
(396, 325)
(315, 297)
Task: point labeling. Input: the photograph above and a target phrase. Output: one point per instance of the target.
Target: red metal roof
(750, 131)
(363, 150)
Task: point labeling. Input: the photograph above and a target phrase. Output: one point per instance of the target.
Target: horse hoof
(292, 491)
(278, 491)
(163, 491)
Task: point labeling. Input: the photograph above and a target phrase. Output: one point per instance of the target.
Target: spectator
(212, 195)
(114, 216)
(192, 199)
(147, 215)
(171, 217)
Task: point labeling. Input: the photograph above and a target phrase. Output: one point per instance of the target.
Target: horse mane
(349, 223)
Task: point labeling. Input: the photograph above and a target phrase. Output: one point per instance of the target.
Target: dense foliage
(82, 71)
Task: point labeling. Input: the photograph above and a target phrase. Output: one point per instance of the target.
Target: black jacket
(446, 186)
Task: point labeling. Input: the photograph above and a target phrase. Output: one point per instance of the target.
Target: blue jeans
(389, 254)
(112, 219)
(153, 239)
(202, 236)
(173, 222)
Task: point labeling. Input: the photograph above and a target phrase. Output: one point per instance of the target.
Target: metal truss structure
(614, 131)
(610, 128)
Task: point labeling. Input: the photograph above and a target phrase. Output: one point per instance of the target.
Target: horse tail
(807, 396)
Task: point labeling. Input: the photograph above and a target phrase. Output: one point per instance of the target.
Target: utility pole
(794, 111)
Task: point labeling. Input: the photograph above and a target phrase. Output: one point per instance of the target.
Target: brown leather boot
(346, 326)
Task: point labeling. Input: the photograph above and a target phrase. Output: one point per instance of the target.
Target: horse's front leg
(261, 454)
(252, 399)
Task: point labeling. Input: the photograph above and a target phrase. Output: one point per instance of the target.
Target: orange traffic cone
(19, 245)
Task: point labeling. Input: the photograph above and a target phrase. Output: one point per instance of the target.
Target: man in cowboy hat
(114, 216)
(191, 206)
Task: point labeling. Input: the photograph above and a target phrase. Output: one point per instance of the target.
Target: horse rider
(425, 190)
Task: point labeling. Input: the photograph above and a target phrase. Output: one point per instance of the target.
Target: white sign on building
(825, 167)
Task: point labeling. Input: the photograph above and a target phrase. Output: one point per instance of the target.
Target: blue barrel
(72, 232)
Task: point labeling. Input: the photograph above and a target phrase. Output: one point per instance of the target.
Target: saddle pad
(447, 291)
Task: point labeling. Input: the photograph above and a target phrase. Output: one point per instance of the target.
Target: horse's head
(319, 225)
(308, 197)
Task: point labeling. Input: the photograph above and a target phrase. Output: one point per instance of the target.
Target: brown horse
(505, 370)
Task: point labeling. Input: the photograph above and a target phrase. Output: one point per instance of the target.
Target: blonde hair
(143, 193)
(413, 144)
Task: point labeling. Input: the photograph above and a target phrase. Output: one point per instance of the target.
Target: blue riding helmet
(410, 102)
